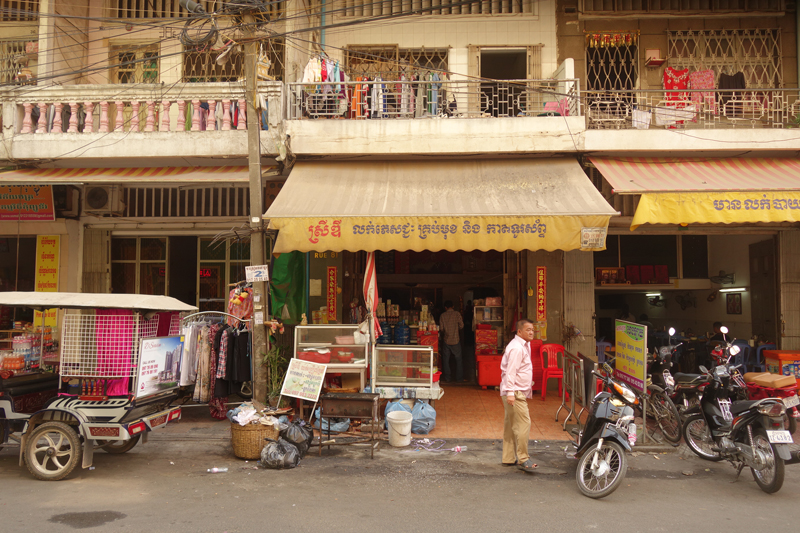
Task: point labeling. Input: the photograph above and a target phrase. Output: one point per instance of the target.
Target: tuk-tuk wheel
(52, 451)
(118, 446)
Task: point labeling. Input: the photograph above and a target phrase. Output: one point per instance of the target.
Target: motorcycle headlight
(734, 350)
(626, 393)
(772, 409)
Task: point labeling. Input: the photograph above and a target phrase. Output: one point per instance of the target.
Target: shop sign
(256, 273)
(541, 294)
(27, 203)
(593, 238)
(331, 296)
(631, 353)
(451, 233)
(303, 380)
(46, 277)
(159, 364)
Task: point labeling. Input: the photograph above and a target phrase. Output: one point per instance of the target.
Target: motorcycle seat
(688, 379)
(742, 405)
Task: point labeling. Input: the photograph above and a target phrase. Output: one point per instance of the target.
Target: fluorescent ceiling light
(651, 294)
(734, 289)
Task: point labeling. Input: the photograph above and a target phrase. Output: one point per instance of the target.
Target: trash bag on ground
(336, 424)
(397, 405)
(423, 418)
(279, 454)
(300, 434)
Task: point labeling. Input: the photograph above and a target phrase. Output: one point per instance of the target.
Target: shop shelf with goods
(405, 372)
(334, 345)
(488, 325)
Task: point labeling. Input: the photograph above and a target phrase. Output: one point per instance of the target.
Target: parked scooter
(609, 431)
(745, 433)
(683, 389)
(660, 388)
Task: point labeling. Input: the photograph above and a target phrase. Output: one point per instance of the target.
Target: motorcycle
(743, 432)
(660, 388)
(684, 389)
(609, 432)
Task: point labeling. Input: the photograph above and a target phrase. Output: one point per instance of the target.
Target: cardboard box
(495, 300)
(486, 336)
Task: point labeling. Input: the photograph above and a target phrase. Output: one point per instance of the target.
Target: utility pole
(257, 257)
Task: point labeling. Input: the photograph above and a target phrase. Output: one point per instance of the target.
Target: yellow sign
(451, 233)
(717, 207)
(47, 258)
(631, 353)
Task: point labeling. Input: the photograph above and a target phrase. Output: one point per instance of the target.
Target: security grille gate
(370, 8)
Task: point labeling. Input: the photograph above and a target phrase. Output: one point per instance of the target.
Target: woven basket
(247, 441)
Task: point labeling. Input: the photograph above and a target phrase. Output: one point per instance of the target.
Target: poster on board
(303, 380)
(159, 364)
(631, 354)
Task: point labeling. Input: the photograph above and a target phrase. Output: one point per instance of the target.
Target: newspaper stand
(117, 401)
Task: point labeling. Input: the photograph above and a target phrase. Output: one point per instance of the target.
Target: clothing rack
(215, 313)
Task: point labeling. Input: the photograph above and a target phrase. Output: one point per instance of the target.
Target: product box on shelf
(494, 300)
(486, 336)
(428, 339)
(632, 274)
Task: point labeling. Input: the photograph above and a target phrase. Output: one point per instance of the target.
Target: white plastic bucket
(399, 425)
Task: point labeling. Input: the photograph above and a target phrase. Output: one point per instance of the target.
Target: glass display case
(331, 344)
(403, 366)
(489, 341)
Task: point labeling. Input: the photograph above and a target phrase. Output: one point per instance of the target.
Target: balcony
(692, 120)
(434, 117)
(138, 121)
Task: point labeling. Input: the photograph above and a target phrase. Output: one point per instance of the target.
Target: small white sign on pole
(256, 273)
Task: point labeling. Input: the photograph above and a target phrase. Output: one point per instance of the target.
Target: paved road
(163, 486)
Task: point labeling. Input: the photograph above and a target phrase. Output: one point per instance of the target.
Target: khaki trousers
(516, 429)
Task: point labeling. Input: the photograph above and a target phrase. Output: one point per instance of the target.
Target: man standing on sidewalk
(516, 380)
(451, 324)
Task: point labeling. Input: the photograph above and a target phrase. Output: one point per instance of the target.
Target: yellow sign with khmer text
(47, 259)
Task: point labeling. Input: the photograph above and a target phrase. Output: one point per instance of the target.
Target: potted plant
(276, 362)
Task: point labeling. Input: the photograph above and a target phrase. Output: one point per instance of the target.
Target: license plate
(791, 401)
(780, 437)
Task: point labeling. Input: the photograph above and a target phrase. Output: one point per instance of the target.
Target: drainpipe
(322, 31)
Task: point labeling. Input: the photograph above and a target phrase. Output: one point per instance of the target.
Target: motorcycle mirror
(607, 368)
(671, 332)
(703, 369)
(724, 330)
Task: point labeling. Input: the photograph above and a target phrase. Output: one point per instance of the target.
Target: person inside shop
(644, 320)
(625, 314)
(718, 335)
(516, 380)
(451, 325)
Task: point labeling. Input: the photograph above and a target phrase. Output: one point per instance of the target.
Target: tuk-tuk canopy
(78, 300)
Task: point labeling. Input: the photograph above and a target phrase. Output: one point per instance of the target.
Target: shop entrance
(17, 272)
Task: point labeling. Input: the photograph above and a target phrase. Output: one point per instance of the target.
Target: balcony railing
(382, 100)
(81, 109)
(689, 109)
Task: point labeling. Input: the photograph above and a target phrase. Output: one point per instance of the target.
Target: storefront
(472, 232)
(708, 241)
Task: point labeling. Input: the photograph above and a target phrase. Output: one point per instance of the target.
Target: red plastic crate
(647, 274)
(489, 370)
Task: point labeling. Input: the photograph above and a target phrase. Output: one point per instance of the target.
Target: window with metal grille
(19, 10)
(203, 67)
(171, 202)
(134, 64)
(371, 8)
(139, 265)
(755, 53)
(8, 66)
(682, 7)
(387, 61)
(612, 61)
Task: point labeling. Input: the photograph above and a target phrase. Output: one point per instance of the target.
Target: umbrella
(371, 291)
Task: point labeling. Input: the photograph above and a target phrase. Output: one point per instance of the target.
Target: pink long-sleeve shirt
(516, 370)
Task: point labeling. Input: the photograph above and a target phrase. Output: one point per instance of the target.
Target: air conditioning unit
(103, 200)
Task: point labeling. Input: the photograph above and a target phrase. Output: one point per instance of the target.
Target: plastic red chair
(550, 353)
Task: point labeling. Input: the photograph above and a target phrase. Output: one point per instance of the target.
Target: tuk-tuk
(118, 364)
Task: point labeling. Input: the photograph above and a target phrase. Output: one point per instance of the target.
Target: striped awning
(505, 204)
(707, 191)
(237, 174)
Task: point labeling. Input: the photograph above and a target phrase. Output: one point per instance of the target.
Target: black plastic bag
(279, 454)
(299, 434)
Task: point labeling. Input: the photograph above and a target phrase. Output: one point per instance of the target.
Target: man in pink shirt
(516, 380)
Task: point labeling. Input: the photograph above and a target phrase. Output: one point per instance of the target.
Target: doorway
(497, 98)
(763, 290)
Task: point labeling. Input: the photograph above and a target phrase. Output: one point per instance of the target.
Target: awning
(516, 204)
(697, 191)
(136, 176)
(84, 300)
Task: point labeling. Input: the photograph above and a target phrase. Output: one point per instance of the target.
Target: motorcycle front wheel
(698, 438)
(667, 416)
(598, 479)
(770, 480)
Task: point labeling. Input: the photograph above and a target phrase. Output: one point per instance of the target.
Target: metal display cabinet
(404, 372)
(328, 344)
